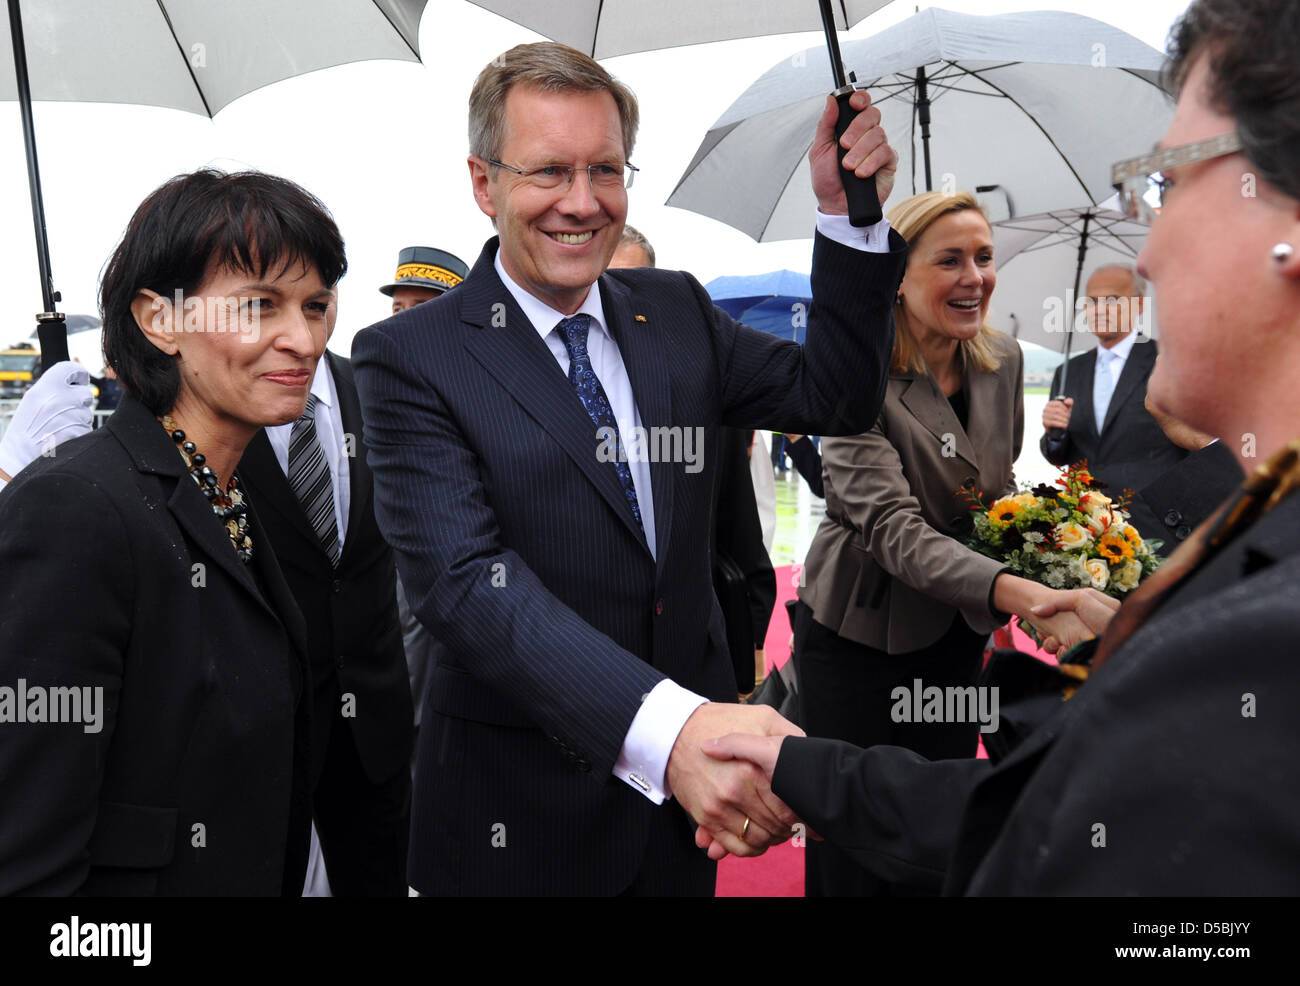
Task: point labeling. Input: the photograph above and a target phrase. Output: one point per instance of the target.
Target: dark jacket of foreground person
(195, 784)
(1171, 771)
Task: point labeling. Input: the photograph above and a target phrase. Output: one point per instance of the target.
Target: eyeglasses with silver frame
(602, 175)
(1141, 183)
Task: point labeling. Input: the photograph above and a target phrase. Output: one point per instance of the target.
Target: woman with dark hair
(1172, 769)
(155, 733)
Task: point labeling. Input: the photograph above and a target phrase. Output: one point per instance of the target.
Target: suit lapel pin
(639, 318)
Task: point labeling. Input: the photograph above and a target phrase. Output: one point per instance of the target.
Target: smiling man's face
(555, 242)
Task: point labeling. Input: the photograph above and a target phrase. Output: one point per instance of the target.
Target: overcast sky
(383, 145)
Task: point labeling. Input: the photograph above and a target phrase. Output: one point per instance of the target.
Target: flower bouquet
(1073, 537)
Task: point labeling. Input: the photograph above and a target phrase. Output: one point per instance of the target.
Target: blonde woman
(891, 595)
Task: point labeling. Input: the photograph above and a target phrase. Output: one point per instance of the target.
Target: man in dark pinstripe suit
(544, 459)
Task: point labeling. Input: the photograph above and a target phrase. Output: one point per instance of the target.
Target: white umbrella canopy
(197, 55)
(1037, 103)
(607, 28)
(1038, 264)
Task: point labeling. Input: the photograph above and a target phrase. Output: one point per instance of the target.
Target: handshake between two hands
(1066, 617)
(721, 765)
(720, 769)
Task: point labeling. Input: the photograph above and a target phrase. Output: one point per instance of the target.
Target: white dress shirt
(607, 364)
(763, 477)
(643, 761)
(330, 434)
(1110, 361)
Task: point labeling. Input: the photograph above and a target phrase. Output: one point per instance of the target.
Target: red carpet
(779, 871)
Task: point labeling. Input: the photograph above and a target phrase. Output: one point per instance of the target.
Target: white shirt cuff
(873, 238)
(643, 761)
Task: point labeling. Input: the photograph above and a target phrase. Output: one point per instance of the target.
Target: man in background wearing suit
(737, 530)
(313, 489)
(423, 273)
(1110, 426)
(560, 560)
(1172, 505)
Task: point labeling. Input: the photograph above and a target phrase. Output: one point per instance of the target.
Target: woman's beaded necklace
(229, 506)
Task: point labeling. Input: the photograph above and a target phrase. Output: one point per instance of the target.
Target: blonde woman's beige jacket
(887, 567)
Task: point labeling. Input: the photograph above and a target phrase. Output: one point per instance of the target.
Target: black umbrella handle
(864, 203)
(52, 331)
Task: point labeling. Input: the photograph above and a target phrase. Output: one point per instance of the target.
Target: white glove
(57, 407)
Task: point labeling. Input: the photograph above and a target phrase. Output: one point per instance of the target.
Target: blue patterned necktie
(309, 478)
(573, 331)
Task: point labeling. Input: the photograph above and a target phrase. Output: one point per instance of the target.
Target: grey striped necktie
(309, 478)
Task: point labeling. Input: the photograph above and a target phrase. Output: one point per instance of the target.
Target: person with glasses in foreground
(545, 445)
(1178, 752)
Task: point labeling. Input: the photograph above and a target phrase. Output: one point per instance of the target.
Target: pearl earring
(1282, 252)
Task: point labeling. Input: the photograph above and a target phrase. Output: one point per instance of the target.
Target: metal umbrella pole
(1078, 274)
(50, 326)
(923, 115)
(1059, 433)
(863, 201)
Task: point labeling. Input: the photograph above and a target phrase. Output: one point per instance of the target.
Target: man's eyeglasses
(554, 175)
(1141, 183)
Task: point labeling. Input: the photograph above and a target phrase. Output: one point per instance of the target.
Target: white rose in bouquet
(1101, 513)
(1072, 537)
(1126, 574)
(1098, 572)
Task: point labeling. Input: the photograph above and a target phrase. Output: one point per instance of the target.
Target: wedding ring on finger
(744, 831)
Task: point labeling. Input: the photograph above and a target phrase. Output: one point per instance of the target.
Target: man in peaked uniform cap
(423, 273)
